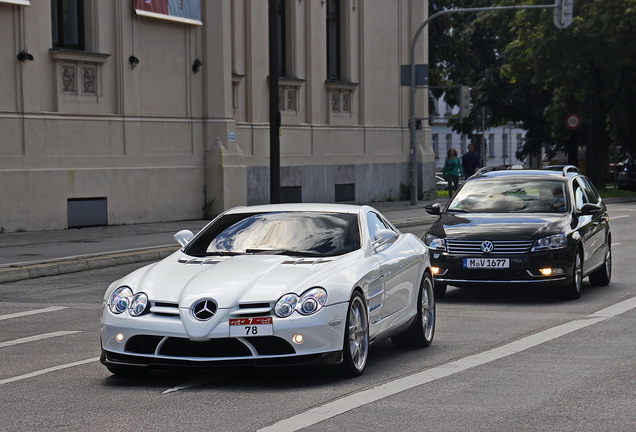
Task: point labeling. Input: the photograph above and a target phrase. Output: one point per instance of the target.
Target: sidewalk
(28, 255)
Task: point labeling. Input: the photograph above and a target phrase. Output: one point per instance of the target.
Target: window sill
(59, 55)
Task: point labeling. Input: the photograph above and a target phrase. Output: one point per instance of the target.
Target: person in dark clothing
(470, 161)
(452, 170)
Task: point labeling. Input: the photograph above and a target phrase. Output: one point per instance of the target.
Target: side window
(590, 190)
(375, 224)
(579, 194)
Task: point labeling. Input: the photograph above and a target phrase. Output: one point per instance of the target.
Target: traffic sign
(573, 121)
(563, 12)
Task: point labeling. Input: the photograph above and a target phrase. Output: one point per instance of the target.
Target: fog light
(545, 271)
(119, 337)
(298, 339)
(435, 270)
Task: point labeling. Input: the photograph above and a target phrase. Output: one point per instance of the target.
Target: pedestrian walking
(470, 161)
(452, 170)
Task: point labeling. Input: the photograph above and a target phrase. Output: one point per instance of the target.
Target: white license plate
(487, 263)
(245, 327)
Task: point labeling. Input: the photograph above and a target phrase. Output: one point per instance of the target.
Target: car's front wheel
(573, 290)
(420, 333)
(356, 339)
(603, 275)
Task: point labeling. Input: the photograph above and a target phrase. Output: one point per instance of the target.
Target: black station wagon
(522, 227)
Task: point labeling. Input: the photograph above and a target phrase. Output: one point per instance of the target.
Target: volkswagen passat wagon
(522, 227)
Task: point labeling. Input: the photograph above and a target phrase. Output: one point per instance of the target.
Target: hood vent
(199, 261)
(307, 261)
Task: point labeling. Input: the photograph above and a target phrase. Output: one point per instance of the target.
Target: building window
(67, 22)
(334, 40)
(462, 144)
(449, 141)
(504, 139)
(491, 145)
(519, 142)
(435, 144)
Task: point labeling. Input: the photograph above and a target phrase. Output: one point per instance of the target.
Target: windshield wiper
(283, 252)
(223, 253)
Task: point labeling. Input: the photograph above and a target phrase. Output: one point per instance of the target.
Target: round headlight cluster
(123, 299)
(307, 304)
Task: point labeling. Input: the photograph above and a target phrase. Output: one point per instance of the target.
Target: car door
(398, 267)
(590, 227)
(599, 222)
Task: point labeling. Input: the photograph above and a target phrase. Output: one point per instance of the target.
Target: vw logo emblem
(205, 309)
(487, 246)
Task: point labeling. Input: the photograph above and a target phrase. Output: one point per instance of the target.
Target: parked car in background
(626, 177)
(271, 285)
(522, 227)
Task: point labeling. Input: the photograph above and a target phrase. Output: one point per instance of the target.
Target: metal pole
(274, 111)
(412, 117)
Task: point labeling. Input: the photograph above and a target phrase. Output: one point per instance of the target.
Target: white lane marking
(51, 369)
(616, 244)
(36, 338)
(32, 312)
(619, 217)
(356, 400)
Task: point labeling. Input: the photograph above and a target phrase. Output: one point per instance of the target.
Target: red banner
(186, 11)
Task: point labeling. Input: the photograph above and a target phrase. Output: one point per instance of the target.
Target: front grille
(500, 246)
(213, 348)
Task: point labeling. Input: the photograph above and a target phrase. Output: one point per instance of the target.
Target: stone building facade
(135, 111)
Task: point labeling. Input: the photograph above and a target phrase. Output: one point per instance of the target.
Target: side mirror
(383, 237)
(589, 209)
(183, 237)
(434, 209)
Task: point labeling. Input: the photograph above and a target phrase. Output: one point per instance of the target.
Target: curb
(16, 272)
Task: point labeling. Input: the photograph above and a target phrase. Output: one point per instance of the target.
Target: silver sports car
(273, 285)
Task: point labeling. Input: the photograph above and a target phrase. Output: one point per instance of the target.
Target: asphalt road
(501, 361)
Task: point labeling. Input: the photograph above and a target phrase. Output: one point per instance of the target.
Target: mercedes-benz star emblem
(487, 246)
(204, 309)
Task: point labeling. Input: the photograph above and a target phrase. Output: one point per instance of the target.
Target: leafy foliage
(532, 73)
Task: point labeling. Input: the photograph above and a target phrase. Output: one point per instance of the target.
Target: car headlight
(308, 303)
(286, 305)
(120, 300)
(138, 304)
(434, 242)
(558, 241)
(312, 301)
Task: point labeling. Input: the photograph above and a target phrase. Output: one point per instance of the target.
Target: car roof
(299, 207)
(553, 172)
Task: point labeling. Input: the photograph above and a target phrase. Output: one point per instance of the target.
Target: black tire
(355, 347)
(440, 289)
(420, 333)
(573, 290)
(603, 275)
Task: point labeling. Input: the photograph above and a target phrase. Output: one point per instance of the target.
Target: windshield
(510, 196)
(290, 233)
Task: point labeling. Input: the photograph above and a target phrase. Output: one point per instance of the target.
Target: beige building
(133, 111)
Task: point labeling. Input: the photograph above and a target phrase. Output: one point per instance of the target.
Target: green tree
(530, 72)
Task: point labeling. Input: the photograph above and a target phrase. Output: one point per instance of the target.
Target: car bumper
(163, 341)
(524, 269)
